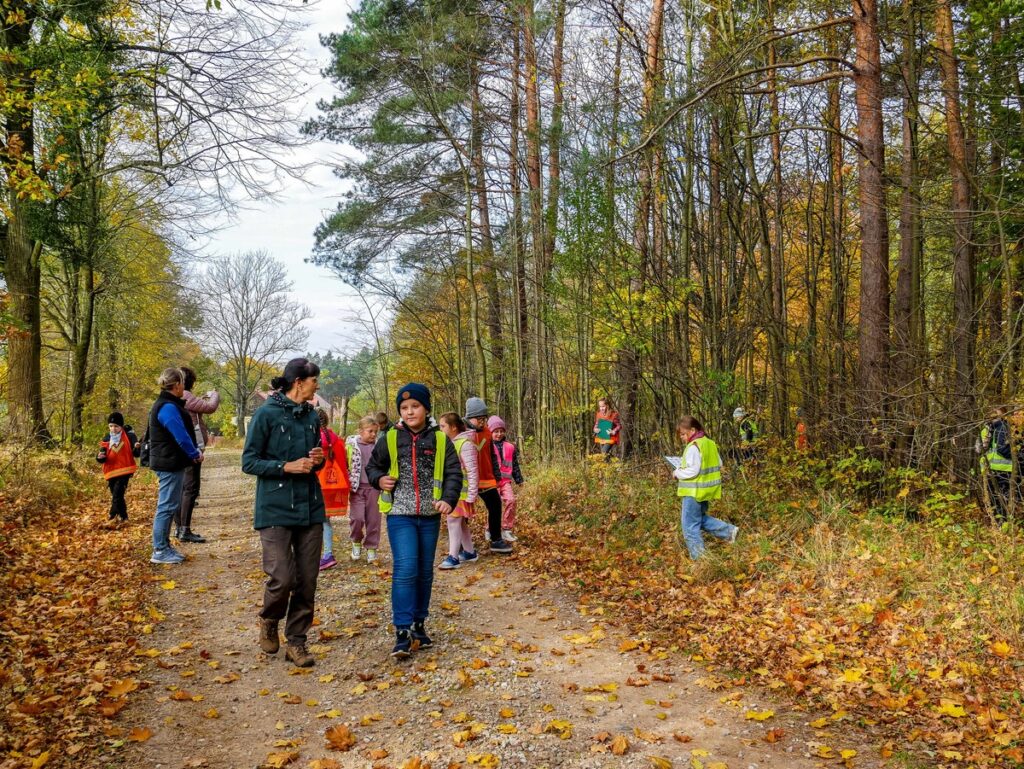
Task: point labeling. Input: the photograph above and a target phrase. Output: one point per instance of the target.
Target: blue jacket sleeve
(254, 459)
(170, 418)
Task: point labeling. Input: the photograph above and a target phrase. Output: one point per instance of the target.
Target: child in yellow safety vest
(508, 466)
(700, 481)
(415, 467)
(460, 538)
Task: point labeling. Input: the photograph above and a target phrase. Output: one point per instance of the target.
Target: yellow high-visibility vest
(708, 483)
(387, 499)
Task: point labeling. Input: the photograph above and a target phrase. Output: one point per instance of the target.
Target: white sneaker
(507, 535)
(735, 533)
(371, 555)
(357, 550)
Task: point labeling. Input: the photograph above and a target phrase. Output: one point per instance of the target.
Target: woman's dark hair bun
(296, 368)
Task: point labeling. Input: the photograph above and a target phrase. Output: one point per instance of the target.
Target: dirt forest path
(518, 677)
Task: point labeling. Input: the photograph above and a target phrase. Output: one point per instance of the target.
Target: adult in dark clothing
(172, 449)
(417, 470)
(997, 461)
(282, 449)
(197, 406)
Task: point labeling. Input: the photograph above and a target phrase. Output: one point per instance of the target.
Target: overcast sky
(284, 227)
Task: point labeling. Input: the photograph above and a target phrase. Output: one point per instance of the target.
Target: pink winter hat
(496, 423)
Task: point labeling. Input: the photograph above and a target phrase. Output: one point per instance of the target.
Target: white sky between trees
(284, 226)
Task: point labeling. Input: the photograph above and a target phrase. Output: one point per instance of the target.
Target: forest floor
(521, 674)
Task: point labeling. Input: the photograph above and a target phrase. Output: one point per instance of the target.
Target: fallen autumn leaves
(72, 601)
(853, 614)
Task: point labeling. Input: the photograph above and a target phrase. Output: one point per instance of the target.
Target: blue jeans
(328, 538)
(168, 501)
(695, 519)
(413, 541)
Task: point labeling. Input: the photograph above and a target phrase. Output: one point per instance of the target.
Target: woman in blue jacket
(172, 448)
(282, 449)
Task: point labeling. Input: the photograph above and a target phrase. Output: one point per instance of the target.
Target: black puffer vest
(164, 452)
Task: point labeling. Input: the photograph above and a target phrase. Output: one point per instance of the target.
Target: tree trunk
(874, 286)
(628, 357)
(536, 194)
(964, 322)
(487, 244)
(21, 251)
(554, 138)
(834, 195)
(908, 278)
(81, 350)
(521, 317)
(775, 256)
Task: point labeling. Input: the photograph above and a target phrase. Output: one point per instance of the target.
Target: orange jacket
(120, 459)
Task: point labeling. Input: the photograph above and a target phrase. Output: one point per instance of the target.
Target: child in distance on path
(117, 455)
(700, 481)
(417, 471)
(335, 484)
(476, 418)
(508, 466)
(363, 510)
(460, 538)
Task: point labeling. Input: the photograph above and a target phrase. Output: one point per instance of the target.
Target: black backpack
(143, 450)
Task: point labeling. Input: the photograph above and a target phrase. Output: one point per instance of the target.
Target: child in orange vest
(117, 456)
(508, 467)
(335, 484)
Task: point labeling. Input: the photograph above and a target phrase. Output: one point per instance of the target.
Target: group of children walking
(415, 472)
(489, 465)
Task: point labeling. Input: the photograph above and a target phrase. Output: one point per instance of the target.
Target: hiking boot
(357, 550)
(502, 547)
(270, 642)
(371, 555)
(449, 563)
(327, 562)
(298, 655)
(403, 644)
(419, 633)
(190, 536)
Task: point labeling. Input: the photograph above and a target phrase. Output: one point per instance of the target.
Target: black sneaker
(191, 536)
(502, 547)
(419, 633)
(403, 644)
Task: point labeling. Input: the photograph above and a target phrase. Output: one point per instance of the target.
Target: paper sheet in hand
(675, 462)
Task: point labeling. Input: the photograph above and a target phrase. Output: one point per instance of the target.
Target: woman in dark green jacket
(282, 449)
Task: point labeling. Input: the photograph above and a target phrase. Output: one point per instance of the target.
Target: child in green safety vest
(417, 471)
(996, 461)
(700, 481)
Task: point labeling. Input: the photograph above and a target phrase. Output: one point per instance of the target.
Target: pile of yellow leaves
(71, 605)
